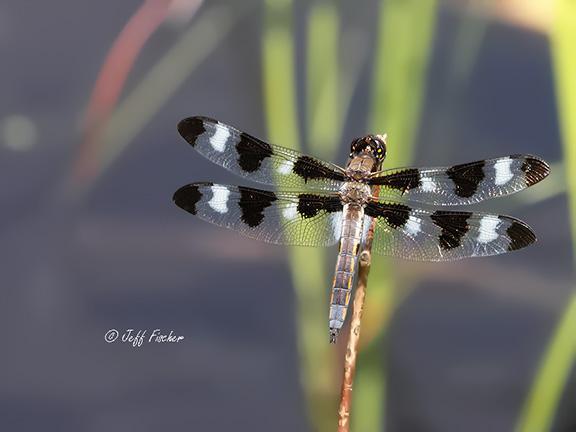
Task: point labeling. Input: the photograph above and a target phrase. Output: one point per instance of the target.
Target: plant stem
(354, 336)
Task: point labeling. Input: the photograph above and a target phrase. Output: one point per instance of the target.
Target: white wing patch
(219, 139)
(291, 211)
(286, 167)
(427, 184)
(487, 230)
(503, 169)
(219, 201)
(413, 226)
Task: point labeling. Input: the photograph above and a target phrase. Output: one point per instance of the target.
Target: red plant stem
(111, 79)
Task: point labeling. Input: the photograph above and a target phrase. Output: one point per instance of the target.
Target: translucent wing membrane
(304, 219)
(423, 235)
(257, 160)
(312, 216)
(462, 184)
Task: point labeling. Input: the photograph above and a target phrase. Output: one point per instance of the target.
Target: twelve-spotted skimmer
(322, 204)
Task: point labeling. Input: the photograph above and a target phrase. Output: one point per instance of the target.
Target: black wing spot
(467, 178)
(535, 170)
(252, 204)
(520, 236)
(396, 215)
(404, 180)
(192, 127)
(188, 196)
(454, 227)
(251, 152)
(309, 205)
(311, 169)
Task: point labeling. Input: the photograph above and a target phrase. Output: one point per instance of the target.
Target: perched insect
(322, 204)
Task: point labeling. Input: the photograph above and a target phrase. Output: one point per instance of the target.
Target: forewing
(306, 219)
(462, 184)
(423, 235)
(257, 160)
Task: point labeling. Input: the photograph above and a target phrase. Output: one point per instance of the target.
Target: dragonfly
(317, 203)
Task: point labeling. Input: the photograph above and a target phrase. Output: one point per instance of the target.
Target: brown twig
(354, 337)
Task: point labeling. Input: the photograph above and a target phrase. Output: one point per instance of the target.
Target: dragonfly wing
(462, 184)
(424, 235)
(303, 219)
(258, 160)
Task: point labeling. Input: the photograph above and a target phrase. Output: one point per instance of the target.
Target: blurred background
(90, 240)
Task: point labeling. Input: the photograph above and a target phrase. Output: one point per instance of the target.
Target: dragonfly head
(373, 145)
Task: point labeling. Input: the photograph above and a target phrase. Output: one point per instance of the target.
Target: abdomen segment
(352, 219)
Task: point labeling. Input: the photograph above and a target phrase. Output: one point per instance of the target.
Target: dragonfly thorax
(355, 193)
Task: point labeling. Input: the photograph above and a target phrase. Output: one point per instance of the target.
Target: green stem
(307, 265)
(323, 78)
(542, 403)
(405, 35)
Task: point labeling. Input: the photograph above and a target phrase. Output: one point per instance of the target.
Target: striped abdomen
(352, 220)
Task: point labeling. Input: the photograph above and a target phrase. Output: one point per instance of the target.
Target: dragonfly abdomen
(352, 218)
